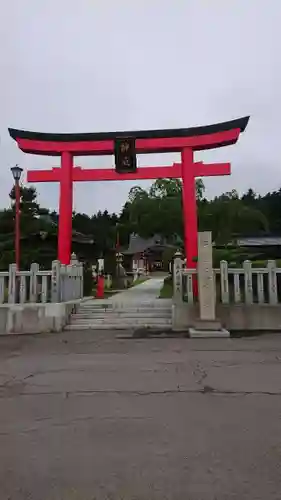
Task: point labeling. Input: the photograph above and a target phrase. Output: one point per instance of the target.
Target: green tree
(159, 209)
(228, 215)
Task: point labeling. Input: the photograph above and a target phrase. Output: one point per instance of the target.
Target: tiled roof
(259, 241)
(138, 244)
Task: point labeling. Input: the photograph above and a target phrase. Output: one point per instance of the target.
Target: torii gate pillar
(65, 208)
(190, 219)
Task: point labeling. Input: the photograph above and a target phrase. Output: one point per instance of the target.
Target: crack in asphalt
(100, 349)
(14, 388)
(201, 372)
(204, 390)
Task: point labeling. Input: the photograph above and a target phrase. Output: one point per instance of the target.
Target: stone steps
(131, 321)
(117, 326)
(129, 305)
(123, 309)
(121, 316)
(125, 314)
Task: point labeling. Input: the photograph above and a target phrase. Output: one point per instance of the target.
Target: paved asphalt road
(84, 417)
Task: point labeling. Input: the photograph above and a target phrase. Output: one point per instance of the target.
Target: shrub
(168, 280)
(87, 280)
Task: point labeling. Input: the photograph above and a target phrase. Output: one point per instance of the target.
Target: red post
(100, 287)
(65, 208)
(189, 208)
(17, 228)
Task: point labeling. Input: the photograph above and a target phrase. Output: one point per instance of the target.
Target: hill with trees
(157, 210)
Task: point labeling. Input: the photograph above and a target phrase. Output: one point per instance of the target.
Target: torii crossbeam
(185, 141)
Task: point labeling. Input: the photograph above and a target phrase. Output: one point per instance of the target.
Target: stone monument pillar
(177, 277)
(207, 324)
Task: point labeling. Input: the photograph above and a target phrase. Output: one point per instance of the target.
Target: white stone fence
(60, 284)
(246, 285)
(229, 299)
(249, 284)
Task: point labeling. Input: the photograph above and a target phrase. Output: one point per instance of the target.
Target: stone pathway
(144, 293)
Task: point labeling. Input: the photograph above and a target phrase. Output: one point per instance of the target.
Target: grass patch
(109, 293)
(166, 291)
(139, 281)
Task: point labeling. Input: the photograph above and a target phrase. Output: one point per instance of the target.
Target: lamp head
(16, 171)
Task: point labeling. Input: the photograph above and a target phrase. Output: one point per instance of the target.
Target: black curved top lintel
(240, 123)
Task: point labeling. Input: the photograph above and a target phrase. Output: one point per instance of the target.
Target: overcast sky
(103, 65)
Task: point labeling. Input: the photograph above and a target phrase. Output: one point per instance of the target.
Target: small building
(264, 247)
(255, 247)
(147, 254)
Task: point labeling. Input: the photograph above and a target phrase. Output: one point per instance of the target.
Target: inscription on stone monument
(206, 277)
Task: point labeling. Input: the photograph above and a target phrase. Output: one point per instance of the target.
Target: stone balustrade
(39, 301)
(245, 298)
(60, 284)
(245, 285)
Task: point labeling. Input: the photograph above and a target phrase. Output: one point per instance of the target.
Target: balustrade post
(33, 284)
(12, 284)
(56, 281)
(177, 277)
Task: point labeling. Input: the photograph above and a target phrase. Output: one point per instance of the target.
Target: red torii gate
(185, 141)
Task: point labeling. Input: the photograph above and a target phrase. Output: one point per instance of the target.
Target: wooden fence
(246, 285)
(60, 284)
